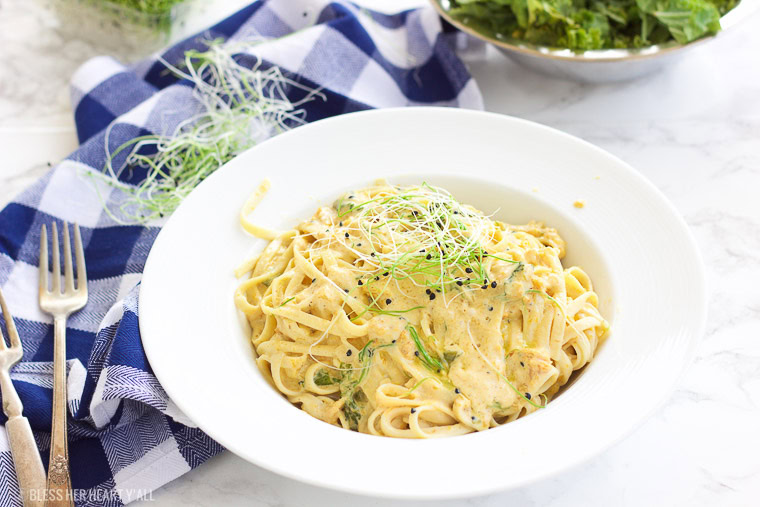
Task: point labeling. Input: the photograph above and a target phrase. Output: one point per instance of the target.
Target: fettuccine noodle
(400, 312)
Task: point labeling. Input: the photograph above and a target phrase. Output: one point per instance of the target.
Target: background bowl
(596, 66)
(638, 251)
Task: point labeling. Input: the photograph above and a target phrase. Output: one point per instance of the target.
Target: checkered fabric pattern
(126, 436)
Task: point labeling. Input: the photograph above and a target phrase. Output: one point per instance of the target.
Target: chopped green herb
(520, 266)
(450, 356)
(323, 378)
(431, 363)
(351, 388)
(352, 409)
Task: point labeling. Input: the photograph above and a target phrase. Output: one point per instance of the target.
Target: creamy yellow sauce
(400, 312)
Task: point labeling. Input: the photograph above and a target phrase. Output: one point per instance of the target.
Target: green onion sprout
(237, 107)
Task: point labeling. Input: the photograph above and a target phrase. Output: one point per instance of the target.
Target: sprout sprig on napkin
(238, 107)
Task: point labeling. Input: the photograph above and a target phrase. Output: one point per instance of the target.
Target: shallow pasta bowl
(652, 294)
(594, 66)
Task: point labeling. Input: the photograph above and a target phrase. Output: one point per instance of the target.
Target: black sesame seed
(468, 270)
(385, 274)
(460, 283)
(432, 296)
(473, 418)
(414, 410)
(350, 196)
(393, 341)
(485, 281)
(527, 395)
(372, 254)
(456, 390)
(313, 280)
(388, 301)
(438, 290)
(346, 234)
(417, 353)
(490, 308)
(522, 364)
(360, 282)
(340, 224)
(422, 251)
(349, 352)
(429, 256)
(345, 290)
(358, 244)
(377, 278)
(484, 286)
(427, 291)
(493, 285)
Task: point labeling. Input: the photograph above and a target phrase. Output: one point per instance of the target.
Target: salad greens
(148, 6)
(593, 24)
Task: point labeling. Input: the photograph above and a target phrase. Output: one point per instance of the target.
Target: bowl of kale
(594, 40)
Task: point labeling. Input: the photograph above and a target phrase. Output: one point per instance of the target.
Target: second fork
(60, 303)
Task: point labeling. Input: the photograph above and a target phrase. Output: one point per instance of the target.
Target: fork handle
(26, 457)
(59, 481)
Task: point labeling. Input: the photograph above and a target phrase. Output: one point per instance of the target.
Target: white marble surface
(693, 130)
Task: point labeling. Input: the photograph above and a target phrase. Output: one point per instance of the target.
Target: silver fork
(26, 457)
(61, 304)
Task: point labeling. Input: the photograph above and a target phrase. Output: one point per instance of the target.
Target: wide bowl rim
(742, 11)
(185, 391)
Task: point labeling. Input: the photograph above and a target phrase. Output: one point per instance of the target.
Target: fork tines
(13, 338)
(68, 267)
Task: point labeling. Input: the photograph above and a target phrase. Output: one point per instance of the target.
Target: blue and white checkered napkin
(126, 436)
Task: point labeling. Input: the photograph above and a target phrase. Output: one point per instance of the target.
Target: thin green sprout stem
(237, 107)
(421, 381)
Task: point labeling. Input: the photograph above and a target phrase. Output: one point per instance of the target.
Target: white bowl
(636, 248)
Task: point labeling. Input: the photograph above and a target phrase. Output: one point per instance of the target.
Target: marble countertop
(692, 129)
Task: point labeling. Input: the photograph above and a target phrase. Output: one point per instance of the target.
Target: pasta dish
(399, 311)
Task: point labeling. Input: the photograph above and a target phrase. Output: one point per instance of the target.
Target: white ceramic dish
(637, 249)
